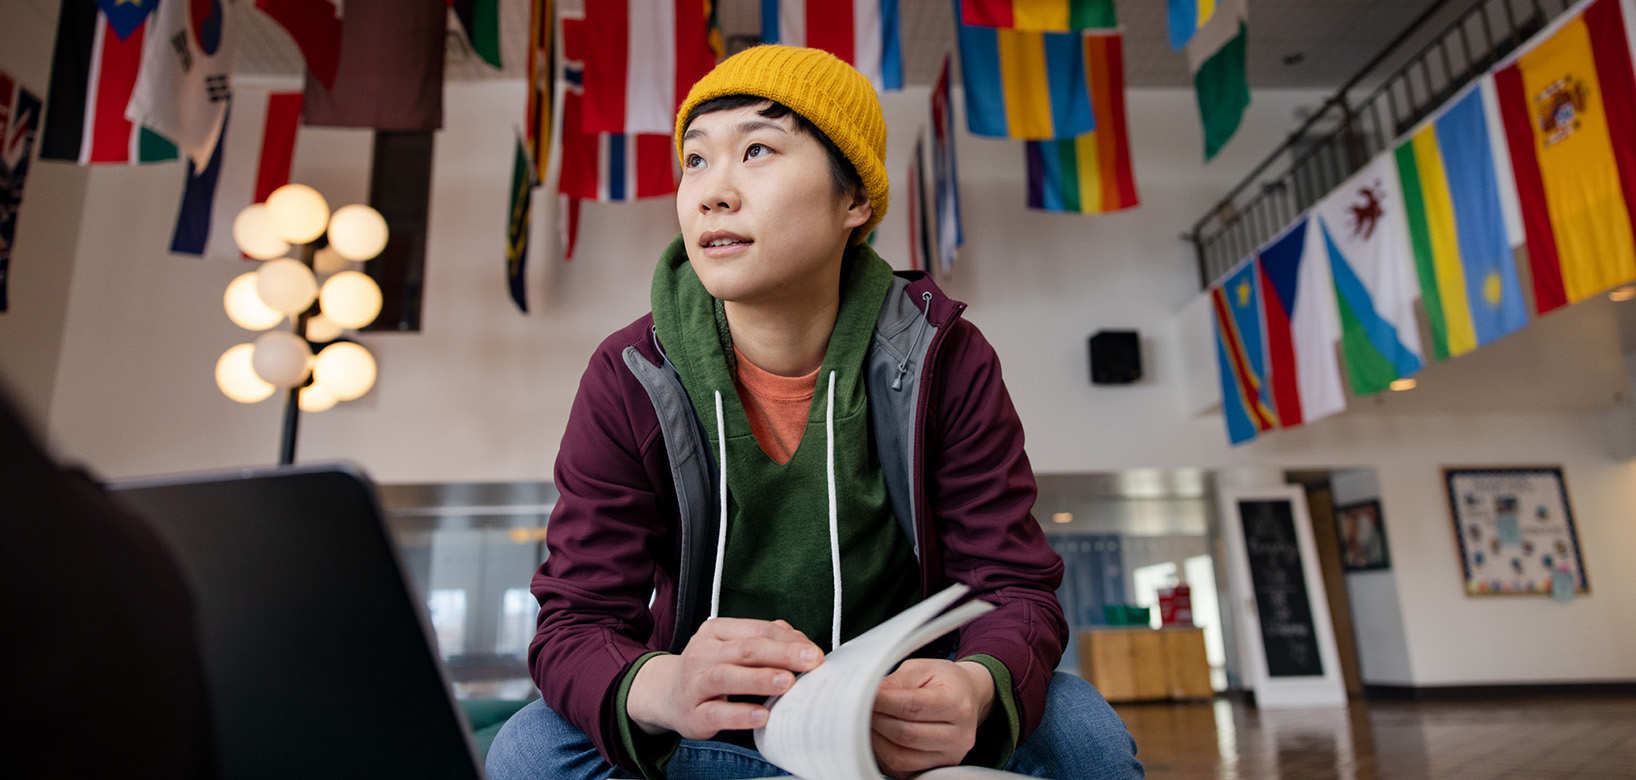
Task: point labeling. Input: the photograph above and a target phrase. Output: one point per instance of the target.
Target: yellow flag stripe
(1040, 14)
(1207, 9)
(1445, 243)
(1088, 155)
(1027, 96)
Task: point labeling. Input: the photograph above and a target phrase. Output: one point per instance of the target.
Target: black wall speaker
(1116, 357)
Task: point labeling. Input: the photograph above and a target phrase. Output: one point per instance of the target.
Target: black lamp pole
(292, 404)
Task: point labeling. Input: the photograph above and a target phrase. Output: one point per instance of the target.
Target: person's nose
(718, 192)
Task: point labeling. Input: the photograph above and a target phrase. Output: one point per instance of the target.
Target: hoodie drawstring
(834, 520)
(834, 524)
(721, 532)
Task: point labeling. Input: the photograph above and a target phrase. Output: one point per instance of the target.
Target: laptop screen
(318, 657)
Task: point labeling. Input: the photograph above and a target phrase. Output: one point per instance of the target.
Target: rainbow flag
(1042, 15)
(1022, 84)
(1457, 226)
(1186, 17)
(1090, 174)
(1246, 398)
(1569, 109)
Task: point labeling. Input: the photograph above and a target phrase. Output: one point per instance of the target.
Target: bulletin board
(1515, 531)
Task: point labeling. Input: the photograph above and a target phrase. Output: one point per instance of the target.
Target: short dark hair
(841, 170)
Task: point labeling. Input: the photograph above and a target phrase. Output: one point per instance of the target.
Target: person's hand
(687, 693)
(926, 714)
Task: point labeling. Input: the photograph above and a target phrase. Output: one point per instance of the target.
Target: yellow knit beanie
(827, 92)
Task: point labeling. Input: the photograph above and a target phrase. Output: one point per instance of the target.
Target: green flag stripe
(1068, 170)
(1092, 15)
(1223, 92)
(153, 147)
(1414, 205)
(1367, 370)
(486, 38)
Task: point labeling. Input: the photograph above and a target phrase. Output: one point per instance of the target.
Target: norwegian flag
(636, 74)
(19, 121)
(604, 167)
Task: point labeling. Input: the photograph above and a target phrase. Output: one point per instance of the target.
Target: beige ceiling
(1332, 39)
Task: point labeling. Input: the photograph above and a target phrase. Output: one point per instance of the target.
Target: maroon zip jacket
(632, 537)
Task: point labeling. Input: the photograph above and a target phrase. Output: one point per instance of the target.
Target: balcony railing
(1389, 96)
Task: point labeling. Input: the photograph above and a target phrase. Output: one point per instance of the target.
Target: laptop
(319, 658)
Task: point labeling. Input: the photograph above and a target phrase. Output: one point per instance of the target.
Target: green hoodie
(778, 562)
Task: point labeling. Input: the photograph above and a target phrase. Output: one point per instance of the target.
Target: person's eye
(694, 161)
(755, 150)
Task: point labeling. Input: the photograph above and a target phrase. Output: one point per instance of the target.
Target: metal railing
(1395, 91)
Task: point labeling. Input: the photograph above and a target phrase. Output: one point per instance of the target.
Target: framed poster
(1515, 530)
(1362, 533)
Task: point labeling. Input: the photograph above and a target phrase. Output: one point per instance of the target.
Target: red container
(1181, 613)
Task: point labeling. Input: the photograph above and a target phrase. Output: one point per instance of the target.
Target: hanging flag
(1569, 109)
(542, 78)
(480, 23)
(863, 33)
(945, 174)
(1245, 400)
(187, 74)
(93, 69)
(1022, 84)
(1302, 327)
(1043, 15)
(1090, 174)
(251, 159)
(1365, 237)
(19, 121)
(390, 74)
(637, 74)
(1462, 252)
(605, 167)
(316, 27)
(1216, 57)
(1187, 17)
(522, 193)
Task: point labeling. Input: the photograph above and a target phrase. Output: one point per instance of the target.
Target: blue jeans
(1080, 738)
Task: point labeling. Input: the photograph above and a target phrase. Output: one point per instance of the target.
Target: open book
(819, 728)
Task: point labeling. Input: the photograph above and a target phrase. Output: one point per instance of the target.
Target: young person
(795, 445)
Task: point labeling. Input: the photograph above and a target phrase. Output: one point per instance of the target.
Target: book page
(819, 728)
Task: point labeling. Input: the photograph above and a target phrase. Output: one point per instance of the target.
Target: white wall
(1377, 618)
(482, 393)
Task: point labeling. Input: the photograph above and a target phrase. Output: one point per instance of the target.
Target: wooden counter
(1145, 664)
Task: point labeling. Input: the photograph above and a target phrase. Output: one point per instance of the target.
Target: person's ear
(859, 209)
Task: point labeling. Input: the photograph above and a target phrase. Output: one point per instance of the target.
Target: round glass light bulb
(245, 308)
(322, 329)
(346, 369)
(253, 232)
(237, 378)
(328, 261)
(314, 398)
(298, 212)
(350, 299)
(286, 285)
(281, 358)
(357, 231)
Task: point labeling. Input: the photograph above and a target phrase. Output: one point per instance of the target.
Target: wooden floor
(1559, 738)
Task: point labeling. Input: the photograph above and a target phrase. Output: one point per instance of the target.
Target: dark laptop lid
(319, 660)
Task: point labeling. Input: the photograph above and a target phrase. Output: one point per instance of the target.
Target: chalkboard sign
(1280, 587)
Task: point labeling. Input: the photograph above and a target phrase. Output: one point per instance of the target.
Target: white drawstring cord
(834, 525)
(721, 533)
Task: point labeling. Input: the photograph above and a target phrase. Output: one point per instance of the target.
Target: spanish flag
(1569, 109)
(1090, 174)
